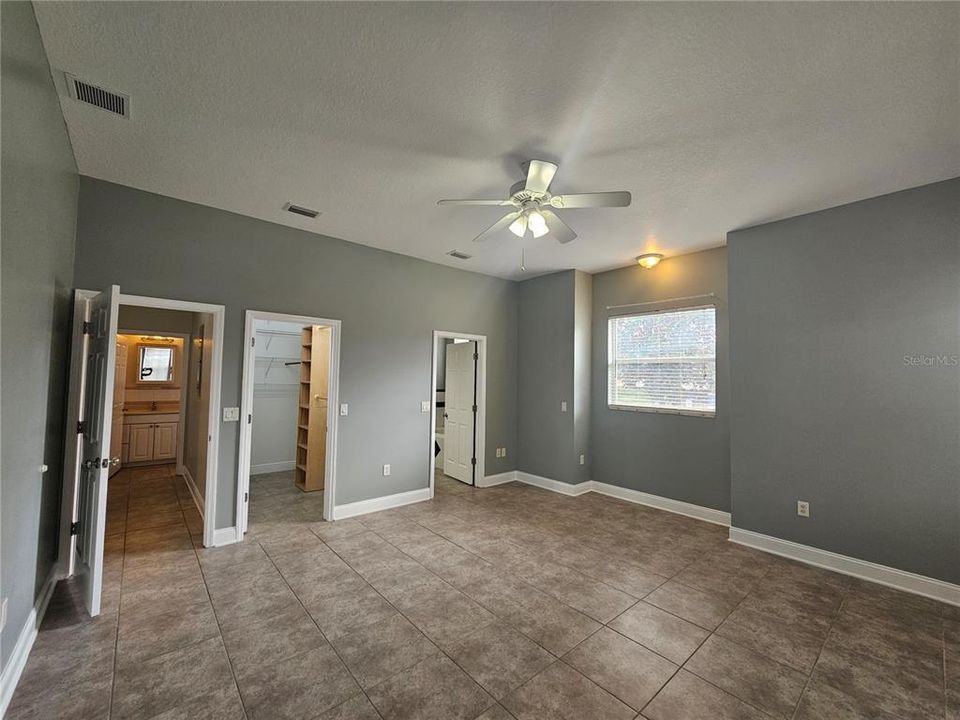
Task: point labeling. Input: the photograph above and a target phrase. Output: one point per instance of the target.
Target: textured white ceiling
(715, 116)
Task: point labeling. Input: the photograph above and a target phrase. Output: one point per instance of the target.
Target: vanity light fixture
(649, 260)
(157, 339)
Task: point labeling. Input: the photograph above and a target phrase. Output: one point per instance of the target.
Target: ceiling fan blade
(591, 200)
(558, 228)
(499, 225)
(540, 175)
(474, 202)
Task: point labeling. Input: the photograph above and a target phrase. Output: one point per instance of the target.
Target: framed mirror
(155, 364)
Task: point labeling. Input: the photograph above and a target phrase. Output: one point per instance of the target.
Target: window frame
(659, 410)
(173, 364)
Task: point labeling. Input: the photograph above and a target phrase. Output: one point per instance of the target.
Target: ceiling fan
(533, 205)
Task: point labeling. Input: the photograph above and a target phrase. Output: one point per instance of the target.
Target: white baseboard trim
(264, 468)
(881, 574)
(341, 512)
(679, 507)
(194, 491)
(554, 485)
(225, 536)
(498, 479)
(699, 512)
(21, 650)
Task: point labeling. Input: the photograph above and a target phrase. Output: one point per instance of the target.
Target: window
(663, 361)
(156, 364)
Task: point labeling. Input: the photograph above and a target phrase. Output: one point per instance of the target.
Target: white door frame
(74, 410)
(246, 410)
(184, 388)
(480, 427)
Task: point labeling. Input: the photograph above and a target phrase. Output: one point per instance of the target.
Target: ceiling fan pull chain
(522, 264)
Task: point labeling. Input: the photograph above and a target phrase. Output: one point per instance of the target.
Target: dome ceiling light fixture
(649, 260)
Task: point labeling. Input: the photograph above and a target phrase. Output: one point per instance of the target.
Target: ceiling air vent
(114, 102)
(300, 210)
(459, 255)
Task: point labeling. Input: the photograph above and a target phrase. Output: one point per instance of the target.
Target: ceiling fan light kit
(532, 205)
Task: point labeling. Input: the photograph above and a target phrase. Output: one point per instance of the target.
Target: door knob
(446, 415)
(115, 461)
(90, 464)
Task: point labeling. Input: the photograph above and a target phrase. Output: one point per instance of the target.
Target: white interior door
(458, 415)
(95, 462)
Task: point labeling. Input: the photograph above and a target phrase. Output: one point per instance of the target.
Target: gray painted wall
(546, 368)
(827, 311)
(389, 304)
(154, 320)
(582, 386)
(675, 456)
(39, 181)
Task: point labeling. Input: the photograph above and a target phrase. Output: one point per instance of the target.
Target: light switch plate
(563, 406)
(231, 414)
(503, 452)
(498, 452)
(343, 408)
(424, 406)
(386, 469)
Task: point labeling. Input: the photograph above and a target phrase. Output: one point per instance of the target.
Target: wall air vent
(113, 102)
(459, 255)
(300, 210)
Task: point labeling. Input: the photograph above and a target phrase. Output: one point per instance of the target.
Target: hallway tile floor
(501, 603)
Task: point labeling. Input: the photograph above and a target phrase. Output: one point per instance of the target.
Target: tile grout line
(413, 624)
(320, 629)
(713, 632)
(216, 617)
(123, 565)
(557, 658)
(826, 638)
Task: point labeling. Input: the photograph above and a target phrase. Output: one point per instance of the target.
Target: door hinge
(473, 461)
(86, 327)
(82, 427)
(246, 497)
(253, 342)
(476, 356)
(74, 528)
(474, 408)
(249, 418)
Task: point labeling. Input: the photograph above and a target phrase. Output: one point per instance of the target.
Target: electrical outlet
(231, 414)
(424, 406)
(499, 453)
(581, 459)
(803, 508)
(386, 469)
(563, 406)
(343, 409)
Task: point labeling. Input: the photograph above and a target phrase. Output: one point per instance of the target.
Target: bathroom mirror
(156, 364)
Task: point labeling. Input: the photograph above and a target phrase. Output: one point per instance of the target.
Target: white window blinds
(663, 361)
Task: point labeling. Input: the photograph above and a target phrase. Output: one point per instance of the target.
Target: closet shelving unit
(312, 410)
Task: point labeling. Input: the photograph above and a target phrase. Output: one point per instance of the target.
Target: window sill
(663, 411)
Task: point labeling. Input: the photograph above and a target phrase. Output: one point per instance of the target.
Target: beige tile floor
(507, 602)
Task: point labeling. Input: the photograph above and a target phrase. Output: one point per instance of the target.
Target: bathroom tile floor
(497, 603)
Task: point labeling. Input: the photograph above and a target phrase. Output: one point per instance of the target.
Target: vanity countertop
(149, 409)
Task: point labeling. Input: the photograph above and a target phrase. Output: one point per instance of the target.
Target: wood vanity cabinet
(152, 441)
